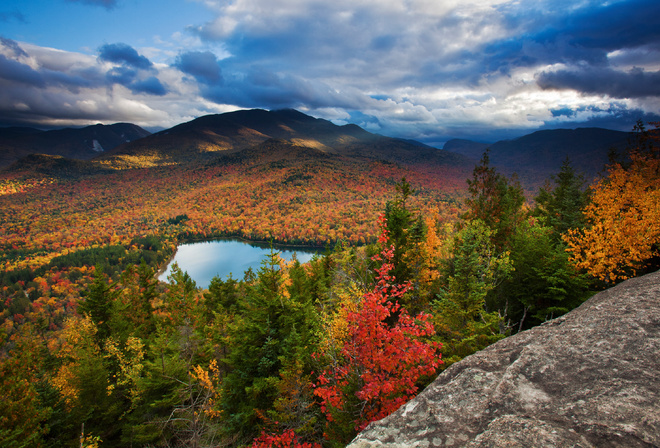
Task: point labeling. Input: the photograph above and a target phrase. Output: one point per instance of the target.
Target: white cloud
(401, 67)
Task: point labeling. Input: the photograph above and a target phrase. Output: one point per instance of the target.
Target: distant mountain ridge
(81, 144)
(211, 136)
(223, 136)
(544, 151)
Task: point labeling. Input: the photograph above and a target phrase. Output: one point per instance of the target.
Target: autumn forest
(426, 261)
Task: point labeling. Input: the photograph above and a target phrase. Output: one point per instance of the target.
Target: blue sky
(423, 69)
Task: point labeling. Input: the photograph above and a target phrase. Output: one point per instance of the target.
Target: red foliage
(287, 439)
(379, 363)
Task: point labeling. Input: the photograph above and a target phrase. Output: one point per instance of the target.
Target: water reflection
(207, 259)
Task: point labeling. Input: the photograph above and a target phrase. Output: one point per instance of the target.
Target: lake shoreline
(249, 241)
(224, 256)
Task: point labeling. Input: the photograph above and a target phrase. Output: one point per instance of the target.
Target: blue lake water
(208, 259)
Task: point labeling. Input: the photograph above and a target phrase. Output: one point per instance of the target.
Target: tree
(84, 380)
(474, 268)
(377, 366)
(400, 221)
(622, 234)
(560, 208)
(495, 200)
(23, 418)
(543, 284)
(98, 304)
(270, 339)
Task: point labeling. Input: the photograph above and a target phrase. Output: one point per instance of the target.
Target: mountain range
(247, 134)
(211, 136)
(81, 144)
(542, 152)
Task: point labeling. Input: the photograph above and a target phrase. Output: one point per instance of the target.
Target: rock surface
(590, 378)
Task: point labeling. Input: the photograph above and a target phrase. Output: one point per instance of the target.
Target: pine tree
(495, 200)
(560, 207)
(474, 268)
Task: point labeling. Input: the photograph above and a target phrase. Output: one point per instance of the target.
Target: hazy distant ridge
(82, 144)
(544, 151)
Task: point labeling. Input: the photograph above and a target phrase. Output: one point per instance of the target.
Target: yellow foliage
(77, 346)
(210, 382)
(130, 365)
(625, 220)
(336, 324)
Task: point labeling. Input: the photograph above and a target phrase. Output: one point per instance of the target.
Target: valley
(429, 256)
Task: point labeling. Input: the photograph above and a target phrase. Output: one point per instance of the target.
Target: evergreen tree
(474, 268)
(495, 200)
(272, 332)
(98, 304)
(560, 208)
(399, 220)
(544, 284)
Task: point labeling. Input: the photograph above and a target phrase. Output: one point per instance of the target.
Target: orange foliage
(623, 218)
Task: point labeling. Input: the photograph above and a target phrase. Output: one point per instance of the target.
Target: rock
(590, 378)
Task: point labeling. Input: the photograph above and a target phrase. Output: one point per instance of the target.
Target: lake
(208, 259)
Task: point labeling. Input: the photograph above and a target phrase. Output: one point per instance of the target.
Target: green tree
(495, 200)
(474, 268)
(544, 284)
(404, 230)
(98, 304)
(272, 332)
(560, 207)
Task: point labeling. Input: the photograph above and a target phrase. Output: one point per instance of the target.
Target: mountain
(534, 157)
(82, 144)
(542, 152)
(58, 166)
(210, 136)
(468, 148)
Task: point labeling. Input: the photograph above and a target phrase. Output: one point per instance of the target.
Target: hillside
(204, 138)
(541, 153)
(81, 144)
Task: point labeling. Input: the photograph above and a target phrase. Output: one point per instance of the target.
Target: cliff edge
(590, 378)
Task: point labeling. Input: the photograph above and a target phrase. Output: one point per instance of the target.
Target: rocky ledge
(590, 378)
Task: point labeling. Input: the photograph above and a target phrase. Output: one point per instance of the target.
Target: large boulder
(590, 378)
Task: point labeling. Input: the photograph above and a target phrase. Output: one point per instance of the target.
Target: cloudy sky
(423, 69)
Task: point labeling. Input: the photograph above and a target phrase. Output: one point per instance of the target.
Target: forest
(421, 269)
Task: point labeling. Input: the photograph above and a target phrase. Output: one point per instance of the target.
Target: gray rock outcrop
(590, 378)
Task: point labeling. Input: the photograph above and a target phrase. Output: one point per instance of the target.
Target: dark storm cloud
(263, 88)
(121, 75)
(12, 70)
(586, 35)
(617, 84)
(129, 78)
(616, 117)
(15, 70)
(127, 73)
(107, 4)
(203, 65)
(121, 53)
(150, 86)
(13, 46)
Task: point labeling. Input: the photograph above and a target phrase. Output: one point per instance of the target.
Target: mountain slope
(207, 137)
(542, 152)
(82, 144)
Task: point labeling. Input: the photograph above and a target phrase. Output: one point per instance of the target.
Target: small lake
(208, 259)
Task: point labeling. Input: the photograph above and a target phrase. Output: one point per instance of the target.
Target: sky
(428, 70)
